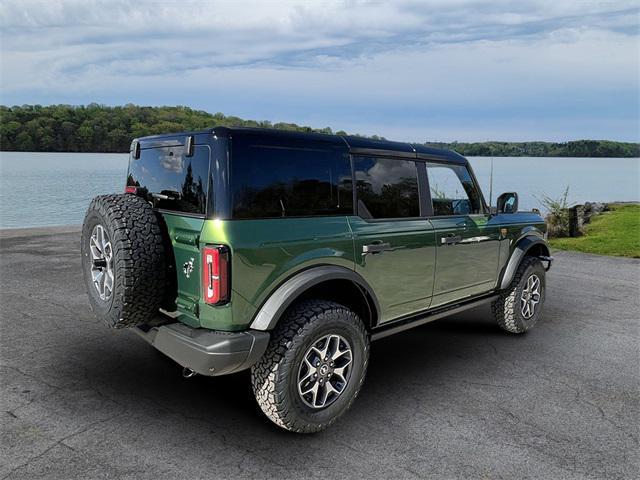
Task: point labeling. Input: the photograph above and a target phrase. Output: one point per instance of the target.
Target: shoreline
(7, 233)
(468, 156)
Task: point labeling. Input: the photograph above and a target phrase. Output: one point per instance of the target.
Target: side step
(416, 320)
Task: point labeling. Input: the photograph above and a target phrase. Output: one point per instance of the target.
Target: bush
(557, 217)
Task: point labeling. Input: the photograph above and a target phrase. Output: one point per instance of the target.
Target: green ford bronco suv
(288, 253)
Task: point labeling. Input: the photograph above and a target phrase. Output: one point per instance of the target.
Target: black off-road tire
(507, 308)
(274, 377)
(138, 259)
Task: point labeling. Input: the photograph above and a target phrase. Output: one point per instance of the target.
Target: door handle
(451, 239)
(461, 224)
(374, 248)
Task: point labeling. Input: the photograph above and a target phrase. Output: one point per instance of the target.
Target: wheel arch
(327, 282)
(527, 246)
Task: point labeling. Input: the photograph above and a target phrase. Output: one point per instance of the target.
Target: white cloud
(329, 63)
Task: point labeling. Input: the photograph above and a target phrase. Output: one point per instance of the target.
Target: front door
(394, 244)
(468, 248)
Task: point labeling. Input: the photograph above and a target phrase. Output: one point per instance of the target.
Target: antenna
(491, 187)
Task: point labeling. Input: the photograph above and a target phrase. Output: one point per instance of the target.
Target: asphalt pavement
(457, 398)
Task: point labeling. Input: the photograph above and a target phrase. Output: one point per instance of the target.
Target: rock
(576, 220)
(591, 209)
(579, 215)
(572, 220)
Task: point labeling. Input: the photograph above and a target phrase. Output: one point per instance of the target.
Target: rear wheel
(123, 260)
(313, 368)
(518, 308)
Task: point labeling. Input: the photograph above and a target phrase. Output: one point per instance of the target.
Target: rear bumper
(207, 352)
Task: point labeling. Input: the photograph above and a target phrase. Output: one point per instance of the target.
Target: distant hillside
(99, 128)
(577, 148)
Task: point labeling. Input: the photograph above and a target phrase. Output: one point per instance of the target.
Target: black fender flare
(283, 296)
(523, 245)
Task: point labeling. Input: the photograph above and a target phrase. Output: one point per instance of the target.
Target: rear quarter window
(289, 181)
(168, 172)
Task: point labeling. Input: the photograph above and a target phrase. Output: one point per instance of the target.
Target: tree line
(577, 148)
(100, 128)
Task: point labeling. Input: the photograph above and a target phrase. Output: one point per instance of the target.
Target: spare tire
(123, 260)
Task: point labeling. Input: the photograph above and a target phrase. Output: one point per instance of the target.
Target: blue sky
(408, 70)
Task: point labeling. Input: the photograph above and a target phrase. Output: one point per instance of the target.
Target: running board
(415, 321)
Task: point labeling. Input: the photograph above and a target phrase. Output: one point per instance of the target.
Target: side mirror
(508, 203)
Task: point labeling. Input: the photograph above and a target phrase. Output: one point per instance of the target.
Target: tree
(100, 128)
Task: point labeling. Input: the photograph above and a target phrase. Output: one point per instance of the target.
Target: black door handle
(374, 248)
(451, 239)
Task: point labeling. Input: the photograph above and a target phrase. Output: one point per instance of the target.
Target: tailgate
(184, 233)
(177, 181)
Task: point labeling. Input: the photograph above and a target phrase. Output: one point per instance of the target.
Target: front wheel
(518, 308)
(313, 368)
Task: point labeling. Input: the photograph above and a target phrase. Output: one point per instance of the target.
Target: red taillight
(215, 275)
(130, 189)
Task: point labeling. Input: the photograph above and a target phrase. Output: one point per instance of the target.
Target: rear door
(468, 247)
(177, 184)
(394, 242)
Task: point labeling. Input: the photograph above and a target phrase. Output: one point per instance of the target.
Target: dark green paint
(417, 273)
(402, 277)
(184, 233)
(420, 268)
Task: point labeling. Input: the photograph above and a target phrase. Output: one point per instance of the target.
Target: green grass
(611, 233)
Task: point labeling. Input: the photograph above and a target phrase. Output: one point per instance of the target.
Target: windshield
(173, 180)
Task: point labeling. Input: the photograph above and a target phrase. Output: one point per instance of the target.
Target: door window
(452, 190)
(386, 188)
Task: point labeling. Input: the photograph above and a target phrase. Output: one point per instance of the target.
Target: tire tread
(139, 258)
(504, 308)
(269, 375)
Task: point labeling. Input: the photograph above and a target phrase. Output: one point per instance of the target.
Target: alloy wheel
(325, 371)
(530, 297)
(101, 262)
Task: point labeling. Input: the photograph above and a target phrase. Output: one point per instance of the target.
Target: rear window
(180, 183)
(276, 181)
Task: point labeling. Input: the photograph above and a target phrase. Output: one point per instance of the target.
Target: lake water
(42, 189)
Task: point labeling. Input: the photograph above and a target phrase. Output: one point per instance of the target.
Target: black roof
(355, 144)
(361, 145)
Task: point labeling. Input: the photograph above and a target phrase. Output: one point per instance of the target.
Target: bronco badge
(187, 268)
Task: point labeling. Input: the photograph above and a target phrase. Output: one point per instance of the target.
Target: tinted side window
(167, 171)
(452, 190)
(275, 181)
(386, 188)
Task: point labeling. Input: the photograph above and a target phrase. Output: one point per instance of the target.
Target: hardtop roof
(354, 144)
